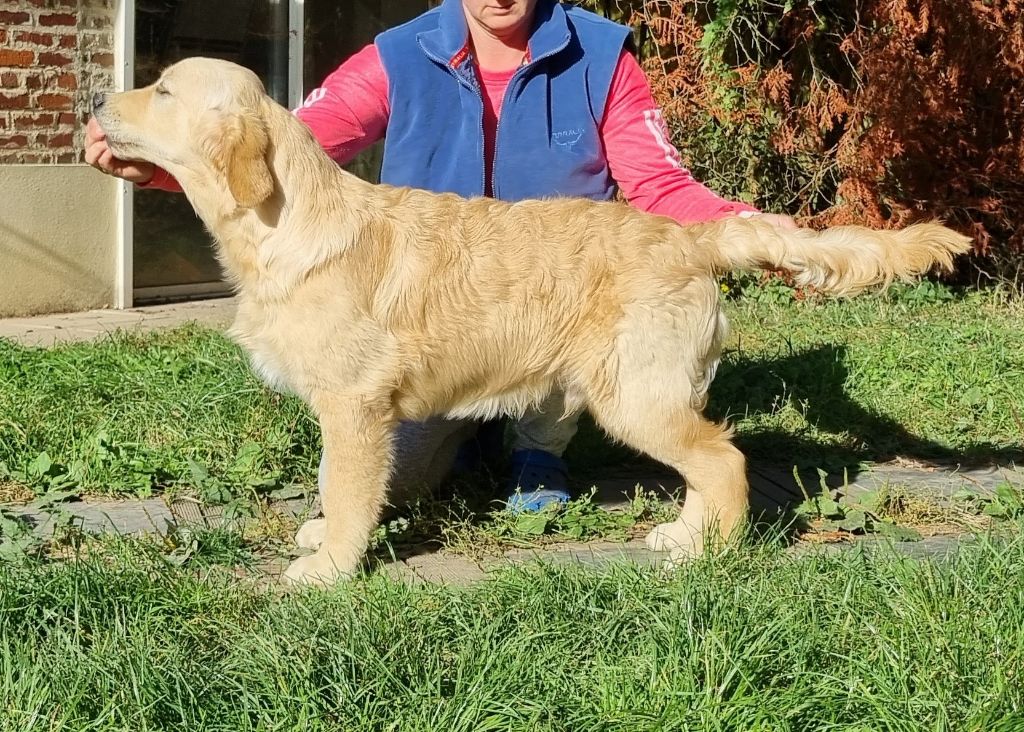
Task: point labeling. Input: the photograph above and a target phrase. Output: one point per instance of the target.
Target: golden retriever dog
(376, 304)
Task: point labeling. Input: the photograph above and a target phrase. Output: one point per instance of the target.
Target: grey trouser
(425, 451)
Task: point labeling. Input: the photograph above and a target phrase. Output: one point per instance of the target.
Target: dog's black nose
(98, 100)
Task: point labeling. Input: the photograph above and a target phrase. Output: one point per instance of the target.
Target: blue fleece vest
(547, 141)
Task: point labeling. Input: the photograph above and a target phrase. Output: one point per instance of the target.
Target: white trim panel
(124, 78)
(296, 36)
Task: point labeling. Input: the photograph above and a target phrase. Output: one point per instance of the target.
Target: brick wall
(53, 55)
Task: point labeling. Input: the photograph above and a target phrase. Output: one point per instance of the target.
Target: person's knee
(550, 433)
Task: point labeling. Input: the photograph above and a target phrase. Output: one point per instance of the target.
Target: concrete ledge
(49, 330)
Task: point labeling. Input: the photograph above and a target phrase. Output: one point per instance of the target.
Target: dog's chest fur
(260, 330)
(317, 343)
(267, 360)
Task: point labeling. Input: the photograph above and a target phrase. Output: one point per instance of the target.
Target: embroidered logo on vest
(566, 139)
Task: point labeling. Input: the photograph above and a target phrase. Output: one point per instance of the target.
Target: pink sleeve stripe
(642, 159)
(349, 111)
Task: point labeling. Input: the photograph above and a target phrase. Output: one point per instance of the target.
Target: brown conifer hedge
(872, 111)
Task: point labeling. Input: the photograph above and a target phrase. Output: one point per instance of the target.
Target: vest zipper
(483, 136)
(504, 103)
(475, 87)
(497, 131)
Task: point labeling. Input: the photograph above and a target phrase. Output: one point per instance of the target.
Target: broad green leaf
(829, 508)
(532, 524)
(41, 465)
(854, 521)
(898, 533)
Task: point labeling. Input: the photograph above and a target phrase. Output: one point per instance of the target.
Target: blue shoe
(539, 479)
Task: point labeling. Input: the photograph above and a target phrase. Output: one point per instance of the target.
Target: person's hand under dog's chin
(99, 155)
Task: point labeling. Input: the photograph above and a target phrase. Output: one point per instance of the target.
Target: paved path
(459, 570)
(48, 330)
(772, 490)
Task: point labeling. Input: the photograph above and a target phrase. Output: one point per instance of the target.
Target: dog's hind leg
(717, 494)
(649, 391)
(354, 476)
(717, 500)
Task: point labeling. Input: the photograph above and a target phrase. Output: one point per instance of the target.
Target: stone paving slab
(49, 330)
(944, 483)
(941, 546)
(154, 515)
(441, 568)
(124, 517)
(135, 516)
(775, 488)
(446, 568)
(770, 493)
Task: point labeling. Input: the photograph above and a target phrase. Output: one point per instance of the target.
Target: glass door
(173, 255)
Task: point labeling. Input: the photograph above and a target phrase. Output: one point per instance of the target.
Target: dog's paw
(318, 569)
(675, 536)
(658, 540)
(311, 534)
(680, 555)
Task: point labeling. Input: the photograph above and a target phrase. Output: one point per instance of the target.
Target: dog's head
(204, 116)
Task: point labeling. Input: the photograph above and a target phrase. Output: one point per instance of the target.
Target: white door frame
(296, 37)
(124, 78)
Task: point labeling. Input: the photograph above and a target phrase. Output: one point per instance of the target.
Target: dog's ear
(238, 146)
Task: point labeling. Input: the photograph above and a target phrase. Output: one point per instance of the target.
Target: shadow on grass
(745, 387)
(816, 379)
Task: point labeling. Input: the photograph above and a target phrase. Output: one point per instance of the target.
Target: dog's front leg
(356, 467)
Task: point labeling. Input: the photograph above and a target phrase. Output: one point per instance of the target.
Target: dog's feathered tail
(840, 261)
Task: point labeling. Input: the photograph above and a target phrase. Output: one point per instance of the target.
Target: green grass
(875, 377)
(137, 412)
(919, 372)
(754, 641)
(110, 633)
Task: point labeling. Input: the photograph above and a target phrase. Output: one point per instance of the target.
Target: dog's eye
(162, 91)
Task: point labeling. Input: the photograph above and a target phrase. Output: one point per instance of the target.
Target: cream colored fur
(377, 304)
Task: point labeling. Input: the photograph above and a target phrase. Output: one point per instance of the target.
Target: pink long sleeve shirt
(349, 112)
